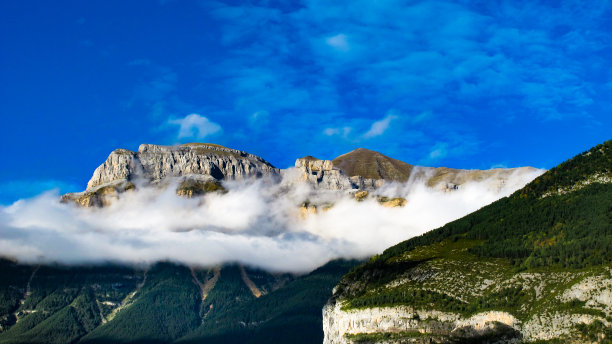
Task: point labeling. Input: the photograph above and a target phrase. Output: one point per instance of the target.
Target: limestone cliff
(546, 317)
(323, 175)
(198, 168)
(153, 163)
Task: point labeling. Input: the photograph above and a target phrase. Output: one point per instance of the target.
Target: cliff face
(548, 315)
(323, 175)
(153, 163)
(198, 168)
(419, 326)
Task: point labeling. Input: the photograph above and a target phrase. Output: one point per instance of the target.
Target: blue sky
(465, 84)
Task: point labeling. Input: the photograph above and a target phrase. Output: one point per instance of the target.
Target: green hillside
(521, 255)
(164, 304)
(291, 314)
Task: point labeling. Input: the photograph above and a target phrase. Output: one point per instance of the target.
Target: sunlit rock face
(363, 169)
(197, 168)
(322, 174)
(153, 163)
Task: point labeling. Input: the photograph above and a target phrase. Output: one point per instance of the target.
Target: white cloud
(379, 127)
(195, 126)
(259, 118)
(338, 42)
(255, 223)
(439, 151)
(344, 131)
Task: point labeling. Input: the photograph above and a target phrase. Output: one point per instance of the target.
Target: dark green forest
(532, 229)
(162, 304)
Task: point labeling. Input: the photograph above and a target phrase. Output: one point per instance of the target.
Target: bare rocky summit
(363, 169)
(153, 163)
(198, 167)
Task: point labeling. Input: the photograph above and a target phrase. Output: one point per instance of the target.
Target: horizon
(444, 83)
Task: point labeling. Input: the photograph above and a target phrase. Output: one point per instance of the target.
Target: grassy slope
(370, 164)
(518, 254)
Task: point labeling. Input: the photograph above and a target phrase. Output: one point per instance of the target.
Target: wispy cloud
(338, 42)
(473, 66)
(379, 127)
(195, 126)
(344, 132)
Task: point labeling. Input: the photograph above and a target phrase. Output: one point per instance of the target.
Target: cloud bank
(257, 223)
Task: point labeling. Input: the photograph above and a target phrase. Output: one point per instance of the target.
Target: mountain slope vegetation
(163, 304)
(541, 256)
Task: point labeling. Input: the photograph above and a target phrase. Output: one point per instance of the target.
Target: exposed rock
(391, 202)
(450, 179)
(361, 195)
(307, 209)
(382, 200)
(363, 169)
(600, 178)
(546, 320)
(121, 164)
(323, 175)
(199, 166)
(435, 326)
(99, 196)
(153, 163)
(196, 185)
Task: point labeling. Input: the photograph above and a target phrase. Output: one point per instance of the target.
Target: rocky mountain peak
(153, 163)
(195, 164)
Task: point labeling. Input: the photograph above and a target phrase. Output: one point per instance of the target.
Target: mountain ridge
(203, 167)
(528, 267)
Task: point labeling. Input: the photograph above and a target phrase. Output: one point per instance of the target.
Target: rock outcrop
(363, 169)
(153, 163)
(322, 174)
(198, 168)
(548, 321)
(422, 326)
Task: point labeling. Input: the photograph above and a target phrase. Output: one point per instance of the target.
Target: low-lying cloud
(257, 223)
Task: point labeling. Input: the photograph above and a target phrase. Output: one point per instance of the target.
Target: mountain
(198, 166)
(532, 267)
(373, 165)
(169, 302)
(363, 169)
(163, 304)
